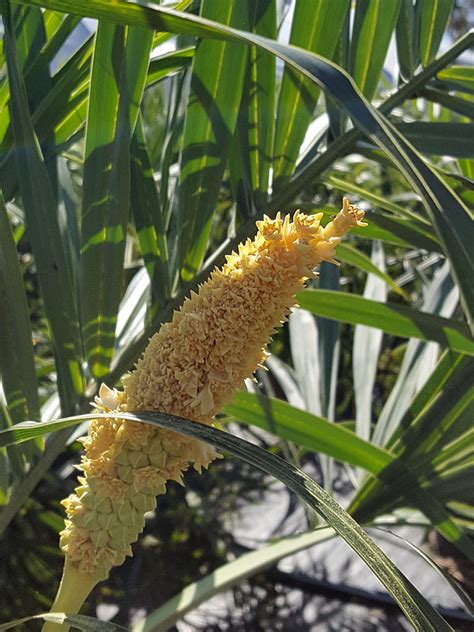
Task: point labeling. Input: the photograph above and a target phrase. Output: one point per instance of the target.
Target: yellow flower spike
(349, 217)
(190, 368)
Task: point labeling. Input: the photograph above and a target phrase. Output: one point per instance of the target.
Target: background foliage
(131, 162)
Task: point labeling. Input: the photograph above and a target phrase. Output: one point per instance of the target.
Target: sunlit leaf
(392, 318)
(116, 88)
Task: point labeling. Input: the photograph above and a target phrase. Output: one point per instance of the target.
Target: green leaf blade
(392, 318)
(211, 116)
(440, 139)
(407, 41)
(53, 268)
(355, 257)
(251, 152)
(308, 430)
(413, 604)
(316, 27)
(116, 89)
(434, 15)
(374, 23)
(147, 213)
(459, 78)
(17, 365)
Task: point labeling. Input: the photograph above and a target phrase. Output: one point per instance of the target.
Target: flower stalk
(190, 368)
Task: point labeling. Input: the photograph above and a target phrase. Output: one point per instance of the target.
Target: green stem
(72, 593)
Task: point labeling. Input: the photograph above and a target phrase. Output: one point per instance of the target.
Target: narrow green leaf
(17, 363)
(394, 319)
(59, 115)
(261, 119)
(31, 48)
(336, 115)
(52, 21)
(441, 139)
(434, 16)
(63, 111)
(29, 33)
(349, 187)
(374, 23)
(163, 152)
(211, 115)
(39, 206)
(14, 461)
(4, 477)
(119, 70)
(30, 38)
(308, 430)
(448, 364)
(58, 28)
(443, 420)
(227, 576)
(356, 258)
(398, 232)
(147, 213)
(447, 100)
(309, 170)
(407, 39)
(418, 611)
(401, 485)
(441, 298)
(454, 454)
(454, 486)
(467, 168)
(442, 522)
(316, 27)
(460, 77)
(167, 64)
(421, 446)
(251, 151)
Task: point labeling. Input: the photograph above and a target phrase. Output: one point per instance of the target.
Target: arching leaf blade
(413, 604)
(305, 429)
(39, 205)
(392, 318)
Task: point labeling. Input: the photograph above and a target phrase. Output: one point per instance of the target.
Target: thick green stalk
(73, 591)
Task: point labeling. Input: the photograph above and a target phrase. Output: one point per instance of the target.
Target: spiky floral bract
(190, 368)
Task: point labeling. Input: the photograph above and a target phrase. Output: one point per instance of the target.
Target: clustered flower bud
(190, 368)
